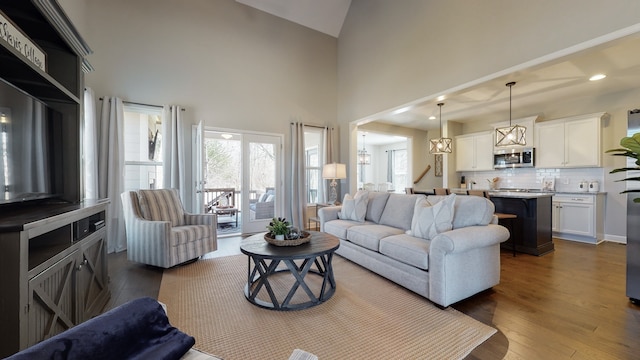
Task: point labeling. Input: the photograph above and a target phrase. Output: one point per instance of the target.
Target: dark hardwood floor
(569, 304)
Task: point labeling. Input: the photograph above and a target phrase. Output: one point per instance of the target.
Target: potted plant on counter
(279, 228)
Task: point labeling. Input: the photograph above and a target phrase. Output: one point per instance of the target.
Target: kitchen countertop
(520, 194)
(530, 194)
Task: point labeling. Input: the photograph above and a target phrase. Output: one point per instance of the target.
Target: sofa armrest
(265, 210)
(328, 213)
(467, 238)
(138, 329)
(200, 219)
(464, 261)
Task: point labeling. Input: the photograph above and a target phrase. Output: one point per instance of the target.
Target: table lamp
(334, 172)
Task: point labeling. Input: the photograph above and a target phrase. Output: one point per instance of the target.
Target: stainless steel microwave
(513, 158)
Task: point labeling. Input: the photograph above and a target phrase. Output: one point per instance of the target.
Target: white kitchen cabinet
(578, 217)
(569, 142)
(474, 152)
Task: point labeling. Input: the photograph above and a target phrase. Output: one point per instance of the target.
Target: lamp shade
(334, 171)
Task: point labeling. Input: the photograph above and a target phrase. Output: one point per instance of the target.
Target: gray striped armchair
(161, 233)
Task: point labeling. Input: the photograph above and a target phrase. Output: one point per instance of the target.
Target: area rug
(368, 317)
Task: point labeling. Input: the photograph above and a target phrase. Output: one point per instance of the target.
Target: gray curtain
(173, 150)
(111, 169)
(390, 165)
(298, 181)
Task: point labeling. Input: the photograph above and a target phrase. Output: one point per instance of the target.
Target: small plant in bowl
(279, 227)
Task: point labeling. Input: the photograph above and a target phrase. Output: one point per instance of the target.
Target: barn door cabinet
(53, 270)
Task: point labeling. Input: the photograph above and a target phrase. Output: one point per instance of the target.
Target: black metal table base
(263, 268)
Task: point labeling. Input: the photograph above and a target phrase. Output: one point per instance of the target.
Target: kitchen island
(531, 231)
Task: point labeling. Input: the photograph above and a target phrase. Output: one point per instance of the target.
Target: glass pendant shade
(363, 157)
(512, 135)
(441, 145)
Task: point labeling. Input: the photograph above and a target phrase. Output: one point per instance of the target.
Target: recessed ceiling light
(441, 98)
(401, 110)
(227, 136)
(597, 77)
(432, 117)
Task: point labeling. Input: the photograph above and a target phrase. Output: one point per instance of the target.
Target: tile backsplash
(565, 179)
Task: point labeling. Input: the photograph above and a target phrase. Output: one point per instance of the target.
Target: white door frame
(248, 226)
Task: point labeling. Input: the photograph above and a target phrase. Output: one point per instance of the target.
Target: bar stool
(504, 219)
(441, 191)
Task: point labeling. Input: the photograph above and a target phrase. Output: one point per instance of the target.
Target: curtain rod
(315, 126)
(137, 103)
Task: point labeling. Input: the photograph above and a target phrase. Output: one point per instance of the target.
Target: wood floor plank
(569, 304)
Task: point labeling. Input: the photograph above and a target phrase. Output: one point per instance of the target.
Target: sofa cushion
(430, 220)
(407, 249)
(375, 206)
(162, 205)
(469, 210)
(338, 228)
(190, 233)
(369, 235)
(399, 210)
(354, 208)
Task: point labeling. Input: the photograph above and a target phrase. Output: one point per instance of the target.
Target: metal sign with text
(14, 37)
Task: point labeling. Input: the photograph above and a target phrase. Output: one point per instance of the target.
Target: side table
(315, 218)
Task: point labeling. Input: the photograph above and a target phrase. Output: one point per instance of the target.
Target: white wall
(392, 53)
(235, 67)
(229, 65)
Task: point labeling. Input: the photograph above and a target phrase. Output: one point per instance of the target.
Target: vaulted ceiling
(564, 78)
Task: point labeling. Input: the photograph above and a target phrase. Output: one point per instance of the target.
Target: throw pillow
(354, 208)
(430, 220)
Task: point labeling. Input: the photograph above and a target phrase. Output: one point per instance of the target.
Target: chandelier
(440, 145)
(363, 157)
(511, 135)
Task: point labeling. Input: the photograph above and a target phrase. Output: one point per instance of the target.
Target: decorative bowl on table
(302, 238)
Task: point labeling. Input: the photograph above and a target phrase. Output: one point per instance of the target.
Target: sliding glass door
(261, 181)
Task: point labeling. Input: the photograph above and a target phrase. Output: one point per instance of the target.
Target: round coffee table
(263, 261)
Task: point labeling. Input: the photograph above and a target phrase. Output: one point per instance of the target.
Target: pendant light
(440, 145)
(512, 135)
(363, 157)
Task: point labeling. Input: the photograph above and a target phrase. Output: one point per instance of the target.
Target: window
(399, 169)
(314, 150)
(142, 147)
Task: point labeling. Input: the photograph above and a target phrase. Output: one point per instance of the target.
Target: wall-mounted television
(31, 148)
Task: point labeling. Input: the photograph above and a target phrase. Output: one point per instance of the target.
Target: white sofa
(446, 262)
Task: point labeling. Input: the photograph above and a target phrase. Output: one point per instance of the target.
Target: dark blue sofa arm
(138, 329)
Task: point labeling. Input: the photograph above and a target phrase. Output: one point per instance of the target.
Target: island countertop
(510, 194)
(520, 194)
(530, 194)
